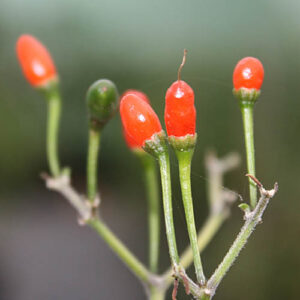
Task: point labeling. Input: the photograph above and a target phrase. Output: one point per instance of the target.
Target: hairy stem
(92, 163)
(157, 294)
(208, 231)
(62, 185)
(205, 297)
(150, 174)
(121, 250)
(216, 168)
(184, 160)
(252, 219)
(164, 164)
(54, 112)
(247, 113)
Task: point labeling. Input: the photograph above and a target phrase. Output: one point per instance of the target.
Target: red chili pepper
(35, 60)
(180, 112)
(131, 143)
(137, 93)
(139, 120)
(248, 73)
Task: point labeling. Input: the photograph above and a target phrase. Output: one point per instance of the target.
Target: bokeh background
(138, 44)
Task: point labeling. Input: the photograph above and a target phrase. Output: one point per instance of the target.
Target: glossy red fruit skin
(180, 112)
(35, 60)
(131, 143)
(140, 94)
(248, 73)
(139, 120)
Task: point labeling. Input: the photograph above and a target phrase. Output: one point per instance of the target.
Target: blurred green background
(139, 44)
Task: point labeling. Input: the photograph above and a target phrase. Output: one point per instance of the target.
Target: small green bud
(102, 101)
(244, 207)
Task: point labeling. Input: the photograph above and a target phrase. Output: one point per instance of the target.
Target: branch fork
(252, 219)
(62, 185)
(87, 213)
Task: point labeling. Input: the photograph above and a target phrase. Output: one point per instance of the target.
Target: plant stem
(184, 160)
(252, 219)
(218, 208)
(62, 185)
(92, 163)
(54, 112)
(205, 297)
(157, 294)
(247, 113)
(121, 250)
(150, 174)
(164, 164)
(208, 231)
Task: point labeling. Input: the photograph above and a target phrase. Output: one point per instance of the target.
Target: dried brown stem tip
(182, 63)
(186, 284)
(258, 183)
(175, 289)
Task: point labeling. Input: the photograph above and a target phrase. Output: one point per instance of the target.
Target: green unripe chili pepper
(102, 101)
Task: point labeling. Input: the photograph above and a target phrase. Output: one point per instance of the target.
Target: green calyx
(183, 143)
(246, 97)
(156, 145)
(139, 152)
(102, 101)
(50, 89)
